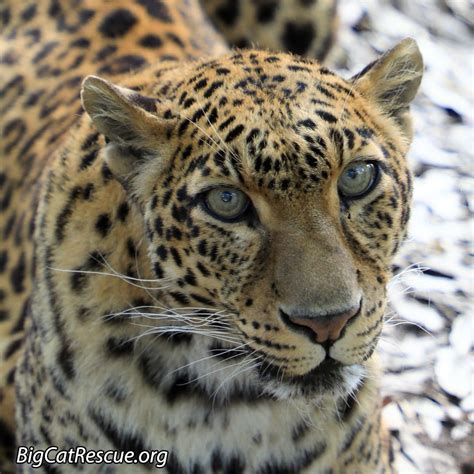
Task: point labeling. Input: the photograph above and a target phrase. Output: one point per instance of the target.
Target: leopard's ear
(393, 81)
(130, 122)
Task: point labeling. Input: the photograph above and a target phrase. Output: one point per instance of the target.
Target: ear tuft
(393, 80)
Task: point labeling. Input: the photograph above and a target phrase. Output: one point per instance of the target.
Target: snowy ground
(427, 345)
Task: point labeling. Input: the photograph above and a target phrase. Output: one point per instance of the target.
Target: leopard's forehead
(272, 121)
(261, 79)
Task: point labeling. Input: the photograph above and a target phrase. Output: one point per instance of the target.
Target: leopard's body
(107, 249)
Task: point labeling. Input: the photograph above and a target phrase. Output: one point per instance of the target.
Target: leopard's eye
(225, 203)
(357, 180)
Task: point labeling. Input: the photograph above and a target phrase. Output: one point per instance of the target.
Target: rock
(467, 404)
(454, 372)
(453, 412)
(461, 337)
(419, 315)
(460, 431)
(393, 417)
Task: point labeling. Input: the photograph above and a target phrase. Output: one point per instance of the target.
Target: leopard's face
(280, 200)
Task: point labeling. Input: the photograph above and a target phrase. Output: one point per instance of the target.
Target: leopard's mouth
(328, 378)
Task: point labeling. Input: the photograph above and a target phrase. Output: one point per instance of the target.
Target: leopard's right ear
(133, 124)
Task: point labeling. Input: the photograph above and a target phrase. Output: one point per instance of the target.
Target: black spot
(157, 9)
(103, 224)
(175, 39)
(182, 193)
(212, 88)
(80, 43)
(105, 52)
(146, 103)
(226, 123)
(44, 51)
(17, 274)
(12, 348)
(78, 281)
(234, 133)
(233, 464)
(5, 16)
(266, 11)
(308, 123)
(204, 271)
(179, 297)
(89, 141)
(181, 387)
(179, 213)
(299, 431)
(131, 249)
(176, 256)
(87, 193)
(117, 23)
(11, 378)
(297, 38)
(222, 71)
(297, 464)
(202, 300)
(326, 116)
(28, 13)
(158, 270)
(162, 252)
(151, 370)
(228, 12)
(151, 41)
(123, 64)
(122, 211)
(190, 278)
(7, 438)
(88, 159)
(120, 439)
(200, 85)
(159, 226)
(202, 248)
(117, 346)
(325, 91)
(350, 138)
(115, 392)
(242, 43)
(65, 360)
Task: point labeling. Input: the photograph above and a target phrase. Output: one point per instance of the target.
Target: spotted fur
(139, 321)
(304, 27)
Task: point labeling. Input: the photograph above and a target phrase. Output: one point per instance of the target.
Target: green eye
(357, 180)
(227, 204)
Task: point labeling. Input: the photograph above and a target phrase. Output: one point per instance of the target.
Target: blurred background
(427, 346)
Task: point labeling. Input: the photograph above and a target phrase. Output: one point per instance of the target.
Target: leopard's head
(274, 193)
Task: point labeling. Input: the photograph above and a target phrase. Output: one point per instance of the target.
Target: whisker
(224, 144)
(218, 148)
(171, 330)
(126, 279)
(233, 349)
(212, 372)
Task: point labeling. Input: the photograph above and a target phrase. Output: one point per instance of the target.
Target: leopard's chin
(328, 379)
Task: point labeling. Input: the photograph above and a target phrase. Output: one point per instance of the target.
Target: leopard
(197, 236)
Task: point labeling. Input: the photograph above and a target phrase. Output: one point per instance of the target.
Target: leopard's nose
(322, 328)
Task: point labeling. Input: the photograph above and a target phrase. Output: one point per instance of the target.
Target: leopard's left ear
(393, 81)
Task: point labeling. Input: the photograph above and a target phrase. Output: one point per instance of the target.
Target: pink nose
(326, 328)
